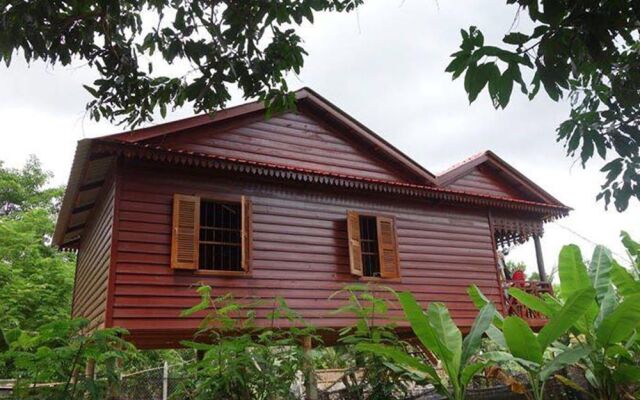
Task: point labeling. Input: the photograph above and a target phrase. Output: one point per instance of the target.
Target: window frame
(246, 232)
(376, 215)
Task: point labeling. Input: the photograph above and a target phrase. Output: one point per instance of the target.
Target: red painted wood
(288, 139)
(299, 252)
(481, 180)
(94, 258)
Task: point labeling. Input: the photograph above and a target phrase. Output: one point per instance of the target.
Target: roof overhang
(501, 168)
(88, 175)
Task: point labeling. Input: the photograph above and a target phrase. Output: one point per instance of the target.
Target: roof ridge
(459, 164)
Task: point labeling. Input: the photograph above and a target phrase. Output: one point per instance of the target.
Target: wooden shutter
(355, 249)
(186, 232)
(387, 248)
(246, 233)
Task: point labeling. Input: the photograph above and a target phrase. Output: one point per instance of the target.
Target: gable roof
(94, 159)
(305, 97)
(503, 170)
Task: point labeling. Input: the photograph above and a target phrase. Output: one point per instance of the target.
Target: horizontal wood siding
(299, 250)
(480, 180)
(94, 258)
(289, 139)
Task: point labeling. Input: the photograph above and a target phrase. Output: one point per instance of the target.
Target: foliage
(539, 355)
(513, 266)
(24, 189)
(240, 360)
(588, 50)
(36, 280)
(437, 332)
(605, 333)
(250, 44)
(56, 354)
(368, 375)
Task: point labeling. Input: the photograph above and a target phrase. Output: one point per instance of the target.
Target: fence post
(310, 384)
(165, 381)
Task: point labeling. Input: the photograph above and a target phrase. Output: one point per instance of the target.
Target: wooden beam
(74, 228)
(541, 270)
(90, 369)
(83, 208)
(91, 185)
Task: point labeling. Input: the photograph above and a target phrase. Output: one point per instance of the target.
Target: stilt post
(539, 258)
(310, 384)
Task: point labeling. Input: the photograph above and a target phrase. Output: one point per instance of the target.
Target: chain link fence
(153, 384)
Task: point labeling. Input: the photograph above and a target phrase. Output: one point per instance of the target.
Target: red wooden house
(297, 205)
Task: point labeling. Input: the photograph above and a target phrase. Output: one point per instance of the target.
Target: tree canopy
(588, 51)
(249, 43)
(36, 280)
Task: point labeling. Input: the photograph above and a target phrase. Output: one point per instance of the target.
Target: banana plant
(539, 355)
(437, 332)
(608, 327)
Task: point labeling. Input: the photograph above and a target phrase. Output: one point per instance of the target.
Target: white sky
(385, 66)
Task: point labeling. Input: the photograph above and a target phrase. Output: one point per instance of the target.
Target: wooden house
(297, 205)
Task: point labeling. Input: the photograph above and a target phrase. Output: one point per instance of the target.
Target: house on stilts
(297, 205)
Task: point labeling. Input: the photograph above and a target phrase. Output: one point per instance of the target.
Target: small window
(220, 236)
(373, 250)
(211, 235)
(369, 245)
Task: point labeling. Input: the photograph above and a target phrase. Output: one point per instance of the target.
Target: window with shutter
(372, 246)
(355, 251)
(388, 250)
(211, 235)
(184, 240)
(246, 233)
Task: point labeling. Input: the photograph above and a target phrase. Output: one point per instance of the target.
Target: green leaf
(521, 340)
(480, 300)
(625, 374)
(621, 323)
(632, 246)
(623, 280)
(469, 372)
(573, 273)
(472, 341)
(449, 334)
(496, 336)
(458, 64)
(608, 303)
(572, 310)
(421, 326)
(477, 77)
(600, 271)
(567, 357)
(534, 303)
(516, 38)
(402, 359)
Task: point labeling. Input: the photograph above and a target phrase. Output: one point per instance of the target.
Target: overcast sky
(384, 65)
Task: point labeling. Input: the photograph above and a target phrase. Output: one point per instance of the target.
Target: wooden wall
(481, 180)
(94, 258)
(299, 250)
(288, 139)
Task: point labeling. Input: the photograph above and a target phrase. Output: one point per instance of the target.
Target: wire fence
(153, 384)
